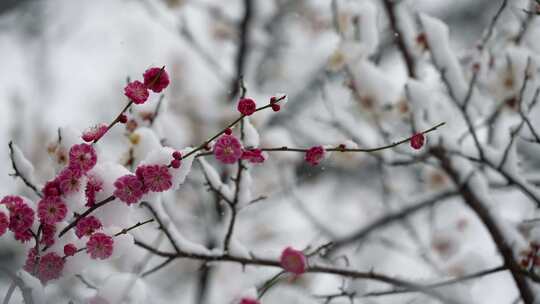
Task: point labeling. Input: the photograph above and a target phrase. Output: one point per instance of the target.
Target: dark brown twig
(243, 46)
(399, 39)
(18, 282)
(475, 203)
(19, 174)
(86, 213)
(389, 219)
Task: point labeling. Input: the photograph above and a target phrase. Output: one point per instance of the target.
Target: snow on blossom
(95, 132)
(162, 156)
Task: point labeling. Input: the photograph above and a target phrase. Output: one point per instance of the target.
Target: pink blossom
(137, 92)
(11, 201)
(23, 236)
(52, 188)
(254, 156)
(129, 189)
(293, 261)
(249, 301)
(4, 223)
(21, 218)
(82, 157)
(95, 132)
(51, 210)
(176, 163)
(314, 155)
(69, 180)
(122, 118)
(93, 186)
(50, 267)
(417, 141)
(246, 106)
(156, 79)
(228, 149)
(177, 155)
(30, 263)
(100, 246)
(87, 226)
(155, 177)
(70, 249)
(47, 235)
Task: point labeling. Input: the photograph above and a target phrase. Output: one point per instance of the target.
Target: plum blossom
(52, 188)
(93, 186)
(82, 157)
(87, 226)
(70, 249)
(95, 132)
(246, 106)
(137, 92)
(100, 246)
(69, 180)
(228, 149)
(249, 301)
(254, 156)
(50, 267)
(51, 210)
(47, 235)
(30, 262)
(417, 141)
(11, 201)
(23, 236)
(4, 223)
(129, 189)
(155, 178)
(293, 261)
(156, 79)
(314, 155)
(21, 218)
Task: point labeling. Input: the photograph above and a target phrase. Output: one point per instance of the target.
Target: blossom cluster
(43, 220)
(47, 221)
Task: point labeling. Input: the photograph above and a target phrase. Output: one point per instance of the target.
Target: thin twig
(468, 277)
(157, 267)
(86, 213)
(492, 24)
(474, 202)
(389, 219)
(243, 46)
(399, 39)
(25, 290)
(85, 282)
(19, 174)
(254, 261)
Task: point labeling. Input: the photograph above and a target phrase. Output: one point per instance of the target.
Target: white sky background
(69, 67)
